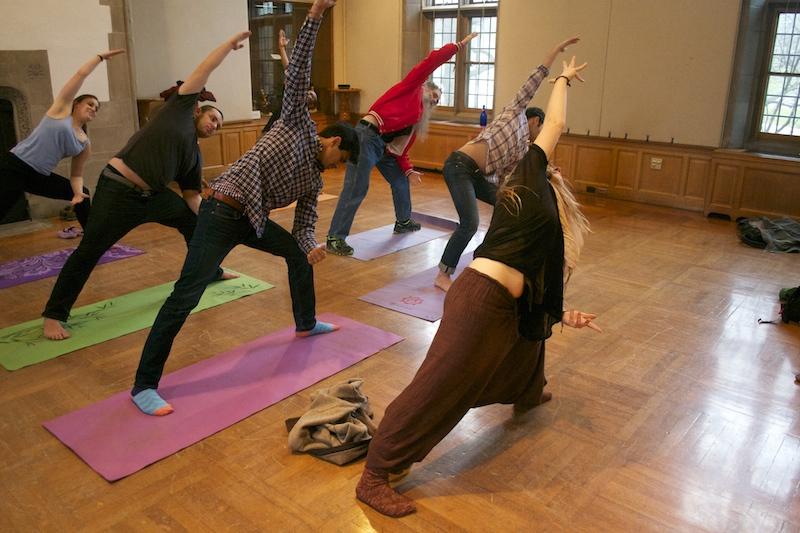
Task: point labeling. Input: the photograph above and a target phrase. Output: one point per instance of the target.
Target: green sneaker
(406, 227)
(338, 246)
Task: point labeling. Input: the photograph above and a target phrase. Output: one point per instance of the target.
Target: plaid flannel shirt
(506, 137)
(282, 166)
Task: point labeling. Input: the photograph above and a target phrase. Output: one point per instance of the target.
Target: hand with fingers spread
(578, 319)
(319, 7)
(570, 71)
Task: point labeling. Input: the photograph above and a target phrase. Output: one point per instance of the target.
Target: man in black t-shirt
(133, 187)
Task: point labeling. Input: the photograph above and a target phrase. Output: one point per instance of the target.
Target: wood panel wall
(235, 138)
(688, 177)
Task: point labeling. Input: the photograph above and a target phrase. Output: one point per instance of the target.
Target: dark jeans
(372, 154)
(219, 229)
(16, 177)
(117, 210)
(467, 185)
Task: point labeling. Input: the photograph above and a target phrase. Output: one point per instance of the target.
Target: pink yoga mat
(382, 241)
(116, 439)
(416, 295)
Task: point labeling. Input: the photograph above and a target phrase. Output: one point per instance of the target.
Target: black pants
(117, 210)
(16, 177)
(219, 229)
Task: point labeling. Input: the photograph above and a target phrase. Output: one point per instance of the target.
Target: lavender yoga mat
(116, 439)
(416, 295)
(382, 241)
(50, 264)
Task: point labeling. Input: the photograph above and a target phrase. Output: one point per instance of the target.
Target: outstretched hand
(237, 41)
(78, 198)
(571, 71)
(579, 319)
(468, 38)
(319, 7)
(111, 53)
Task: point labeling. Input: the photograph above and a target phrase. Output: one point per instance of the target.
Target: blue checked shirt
(282, 166)
(506, 137)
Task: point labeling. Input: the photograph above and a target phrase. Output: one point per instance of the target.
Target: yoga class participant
(474, 171)
(386, 134)
(132, 189)
(284, 166)
(490, 345)
(62, 132)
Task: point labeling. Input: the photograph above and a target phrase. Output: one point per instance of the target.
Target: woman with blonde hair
(490, 345)
(28, 167)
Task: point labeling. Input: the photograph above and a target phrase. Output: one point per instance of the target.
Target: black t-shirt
(531, 241)
(166, 148)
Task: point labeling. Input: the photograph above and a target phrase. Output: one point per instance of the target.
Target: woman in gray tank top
(29, 166)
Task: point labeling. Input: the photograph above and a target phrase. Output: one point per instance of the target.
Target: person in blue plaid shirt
(284, 166)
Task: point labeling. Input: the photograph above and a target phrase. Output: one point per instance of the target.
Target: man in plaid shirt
(284, 166)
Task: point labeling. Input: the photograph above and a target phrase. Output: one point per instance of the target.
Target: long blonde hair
(574, 224)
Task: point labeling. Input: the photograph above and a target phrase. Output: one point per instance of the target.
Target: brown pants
(476, 358)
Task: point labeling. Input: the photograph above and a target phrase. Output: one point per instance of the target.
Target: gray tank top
(50, 142)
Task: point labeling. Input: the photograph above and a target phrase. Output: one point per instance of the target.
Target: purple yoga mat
(416, 295)
(382, 241)
(43, 266)
(116, 439)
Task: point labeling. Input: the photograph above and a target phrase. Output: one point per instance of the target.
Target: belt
(119, 178)
(370, 125)
(227, 200)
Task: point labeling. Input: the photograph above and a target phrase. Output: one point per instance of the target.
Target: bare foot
(442, 281)
(228, 275)
(53, 330)
(374, 490)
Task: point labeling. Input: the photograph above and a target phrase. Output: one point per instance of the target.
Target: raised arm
(283, 42)
(199, 77)
(556, 114)
(434, 60)
(298, 73)
(62, 105)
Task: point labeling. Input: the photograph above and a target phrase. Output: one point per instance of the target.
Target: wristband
(566, 78)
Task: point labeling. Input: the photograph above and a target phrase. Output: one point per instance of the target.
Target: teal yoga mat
(24, 345)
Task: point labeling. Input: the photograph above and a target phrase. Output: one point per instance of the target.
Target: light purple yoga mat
(50, 264)
(116, 439)
(382, 241)
(416, 295)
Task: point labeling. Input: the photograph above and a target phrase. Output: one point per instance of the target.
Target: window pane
(792, 86)
(480, 86)
(786, 22)
(444, 31)
(445, 78)
(782, 44)
(775, 85)
(779, 64)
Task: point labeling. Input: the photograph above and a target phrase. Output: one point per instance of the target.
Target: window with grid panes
(467, 81)
(779, 110)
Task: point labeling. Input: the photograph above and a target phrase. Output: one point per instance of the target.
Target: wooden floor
(682, 415)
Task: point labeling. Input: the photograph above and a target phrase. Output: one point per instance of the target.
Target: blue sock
(319, 329)
(150, 403)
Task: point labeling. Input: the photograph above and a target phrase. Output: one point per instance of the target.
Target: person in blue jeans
(283, 167)
(474, 171)
(386, 134)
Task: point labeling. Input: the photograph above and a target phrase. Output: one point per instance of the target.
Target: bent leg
(401, 190)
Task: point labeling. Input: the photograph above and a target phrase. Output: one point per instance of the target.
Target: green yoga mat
(24, 345)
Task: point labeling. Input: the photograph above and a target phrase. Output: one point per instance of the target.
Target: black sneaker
(338, 246)
(407, 227)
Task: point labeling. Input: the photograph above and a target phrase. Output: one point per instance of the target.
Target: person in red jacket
(386, 134)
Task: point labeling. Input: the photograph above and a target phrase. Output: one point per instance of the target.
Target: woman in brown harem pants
(490, 345)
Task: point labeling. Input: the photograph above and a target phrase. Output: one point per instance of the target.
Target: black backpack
(790, 305)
